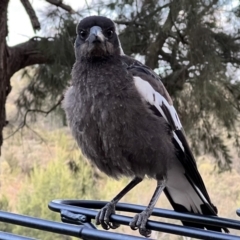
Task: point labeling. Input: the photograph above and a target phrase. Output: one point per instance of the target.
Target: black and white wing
(186, 190)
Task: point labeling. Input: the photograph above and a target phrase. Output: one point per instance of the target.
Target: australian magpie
(124, 121)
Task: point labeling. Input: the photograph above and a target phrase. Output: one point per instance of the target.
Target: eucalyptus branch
(24, 122)
(59, 3)
(32, 15)
(159, 9)
(27, 53)
(124, 22)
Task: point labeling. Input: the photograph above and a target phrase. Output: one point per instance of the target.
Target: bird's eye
(83, 34)
(109, 33)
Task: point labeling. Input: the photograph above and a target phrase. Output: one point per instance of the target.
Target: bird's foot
(139, 222)
(103, 217)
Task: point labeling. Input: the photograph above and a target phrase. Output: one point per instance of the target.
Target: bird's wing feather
(186, 190)
(152, 91)
(168, 112)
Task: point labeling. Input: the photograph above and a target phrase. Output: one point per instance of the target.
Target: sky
(19, 25)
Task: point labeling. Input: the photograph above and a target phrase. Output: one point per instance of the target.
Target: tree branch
(159, 9)
(129, 22)
(133, 21)
(59, 3)
(176, 79)
(24, 122)
(206, 8)
(32, 15)
(181, 36)
(156, 46)
(4, 81)
(26, 54)
(231, 60)
(236, 38)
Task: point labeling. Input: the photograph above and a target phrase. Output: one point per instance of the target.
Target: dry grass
(25, 150)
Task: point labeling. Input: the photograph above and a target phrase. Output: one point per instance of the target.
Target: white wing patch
(201, 195)
(156, 99)
(178, 141)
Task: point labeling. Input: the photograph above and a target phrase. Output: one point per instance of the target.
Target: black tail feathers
(206, 210)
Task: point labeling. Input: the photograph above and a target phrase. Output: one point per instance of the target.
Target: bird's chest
(111, 123)
(103, 92)
(102, 117)
(104, 98)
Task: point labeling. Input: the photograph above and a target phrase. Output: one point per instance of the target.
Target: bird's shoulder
(142, 72)
(152, 90)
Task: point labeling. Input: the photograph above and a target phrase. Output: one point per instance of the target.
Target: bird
(124, 122)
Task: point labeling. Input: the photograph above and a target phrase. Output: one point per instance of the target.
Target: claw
(139, 221)
(103, 217)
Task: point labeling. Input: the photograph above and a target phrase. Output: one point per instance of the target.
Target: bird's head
(96, 38)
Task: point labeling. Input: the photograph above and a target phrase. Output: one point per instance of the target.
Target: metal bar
(71, 205)
(62, 228)
(67, 217)
(9, 236)
(209, 220)
(98, 234)
(197, 218)
(37, 223)
(238, 212)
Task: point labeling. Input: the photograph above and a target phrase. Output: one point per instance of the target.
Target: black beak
(95, 35)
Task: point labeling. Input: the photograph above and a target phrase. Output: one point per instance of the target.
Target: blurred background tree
(194, 47)
(188, 43)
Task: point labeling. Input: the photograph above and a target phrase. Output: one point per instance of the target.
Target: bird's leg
(103, 215)
(140, 219)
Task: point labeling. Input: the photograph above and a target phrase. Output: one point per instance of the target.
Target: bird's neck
(95, 69)
(97, 60)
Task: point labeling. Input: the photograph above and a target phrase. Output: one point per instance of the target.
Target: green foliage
(54, 181)
(185, 41)
(47, 82)
(186, 44)
(60, 171)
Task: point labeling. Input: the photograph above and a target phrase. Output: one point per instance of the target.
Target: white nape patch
(155, 98)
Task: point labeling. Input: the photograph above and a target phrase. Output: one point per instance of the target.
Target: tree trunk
(13, 59)
(4, 80)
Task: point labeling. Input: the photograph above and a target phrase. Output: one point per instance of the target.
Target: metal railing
(76, 218)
